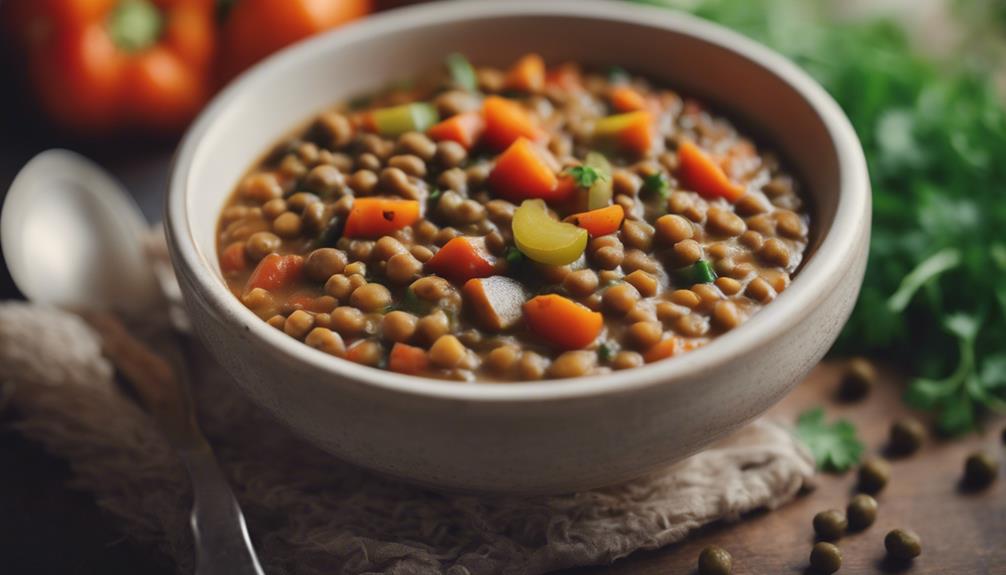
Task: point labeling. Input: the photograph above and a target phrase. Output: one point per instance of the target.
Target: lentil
(715, 561)
(825, 558)
(903, 545)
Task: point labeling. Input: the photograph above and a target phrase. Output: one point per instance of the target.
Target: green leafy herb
(657, 184)
(605, 352)
(934, 134)
(617, 74)
(586, 176)
(413, 304)
(513, 256)
(433, 198)
(835, 447)
(461, 71)
(701, 272)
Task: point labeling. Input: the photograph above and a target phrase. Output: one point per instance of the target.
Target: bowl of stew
(520, 247)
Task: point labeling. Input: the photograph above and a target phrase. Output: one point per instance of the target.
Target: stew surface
(513, 225)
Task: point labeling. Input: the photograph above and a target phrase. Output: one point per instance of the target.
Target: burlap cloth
(309, 513)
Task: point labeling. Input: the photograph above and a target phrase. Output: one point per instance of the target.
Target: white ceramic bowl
(546, 436)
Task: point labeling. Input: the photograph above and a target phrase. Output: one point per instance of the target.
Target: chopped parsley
(586, 176)
(835, 447)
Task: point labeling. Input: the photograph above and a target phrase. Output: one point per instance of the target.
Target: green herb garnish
(461, 71)
(433, 198)
(586, 176)
(701, 272)
(617, 74)
(605, 352)
(513, 256)
(657, 184)
(934, 134)
(835, 447)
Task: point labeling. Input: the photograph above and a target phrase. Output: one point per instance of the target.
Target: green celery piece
(461, 71)
(397, 120)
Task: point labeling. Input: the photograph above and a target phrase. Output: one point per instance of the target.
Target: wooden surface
(962, 533)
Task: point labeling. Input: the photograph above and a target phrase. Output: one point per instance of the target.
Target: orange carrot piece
(663, 349)
(495, 302)
(565, 189)
(638, 135)
(521, 173)
(565, 76)
(465, 128)
(627, 99)
(276, 272)
(462, 259)
(233, 258)
(506, 121)
(601, 221)
(408, 359)
(672, 346)
(376, 217)
(562, 322)
(699, 172)
(527, 74)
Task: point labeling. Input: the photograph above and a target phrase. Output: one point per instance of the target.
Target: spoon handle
(218, 527)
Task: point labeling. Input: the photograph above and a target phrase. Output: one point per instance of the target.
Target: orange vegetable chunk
(376, 217)
(521, 173)
(700, 173)
(408, 359)
(233, 258)
(276, 272)
(465, 128)
(627, 99)
(601, 221)
(495, 302)
(562, 322)
(461, 259)
(506, 122)
(527, 74)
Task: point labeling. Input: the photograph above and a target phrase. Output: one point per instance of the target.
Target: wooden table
(962, 533)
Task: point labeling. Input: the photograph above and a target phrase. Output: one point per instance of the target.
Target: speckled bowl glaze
(546, 436)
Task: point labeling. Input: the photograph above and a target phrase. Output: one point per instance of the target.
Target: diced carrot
(565, 76)
(521, 173)
(601, 221)
(700, 173)
(506, 121)
(632, 132)
(663, 349)
(627, 99)
(495, 302)
(276, 272)
(461, 259)
(638, 136)
(565, 190)
(562, 322)
(527, 74)
(408, 359)
(376, 217)
(233, 258)
(672, 346)
(465, 128)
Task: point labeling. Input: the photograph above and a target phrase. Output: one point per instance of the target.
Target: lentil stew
(513, 225)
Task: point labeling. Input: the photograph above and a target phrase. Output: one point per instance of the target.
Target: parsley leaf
(586, 176)
(657, 184)
(835, 447)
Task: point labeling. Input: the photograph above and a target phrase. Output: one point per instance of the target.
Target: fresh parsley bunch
(934, 296)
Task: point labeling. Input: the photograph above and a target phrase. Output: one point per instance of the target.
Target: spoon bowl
(73, 237)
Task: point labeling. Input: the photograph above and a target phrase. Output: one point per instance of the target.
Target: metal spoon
(73, 238)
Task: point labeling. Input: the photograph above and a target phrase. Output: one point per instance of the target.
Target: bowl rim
(809, 288)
